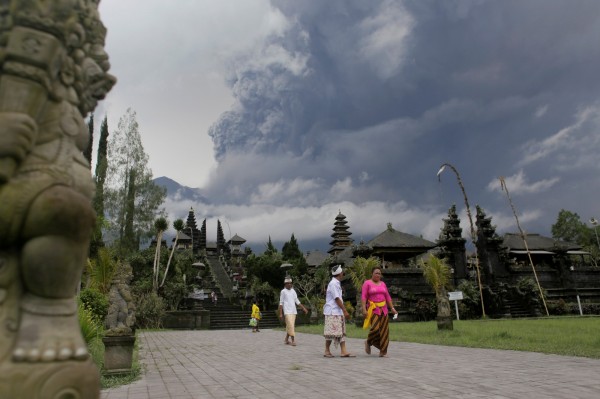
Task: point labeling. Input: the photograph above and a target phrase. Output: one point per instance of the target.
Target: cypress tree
(100, 178)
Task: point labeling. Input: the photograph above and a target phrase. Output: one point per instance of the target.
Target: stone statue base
(72, 379)
(69, 379)
(118, 354)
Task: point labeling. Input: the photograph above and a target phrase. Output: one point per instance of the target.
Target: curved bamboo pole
(505, 188)
(473, 235)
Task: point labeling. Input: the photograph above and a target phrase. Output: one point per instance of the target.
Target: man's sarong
(335, 329)
(290, 321)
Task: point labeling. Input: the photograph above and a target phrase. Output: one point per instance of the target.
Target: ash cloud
(362, 101)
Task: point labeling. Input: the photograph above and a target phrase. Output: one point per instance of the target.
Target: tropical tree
(178, 225)
(132, 200)
(438, 276)
(270, 248)
(361, 270)
(305, 285)
(160, 226)
(290, 252)
(569, 227)
(322, 277)
(267, 268)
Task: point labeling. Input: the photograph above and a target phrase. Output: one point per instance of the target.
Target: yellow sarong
(372, 307)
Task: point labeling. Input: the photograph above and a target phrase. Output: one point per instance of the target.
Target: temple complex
(563, 269)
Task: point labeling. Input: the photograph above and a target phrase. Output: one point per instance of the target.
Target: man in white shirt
(335, 315)
(287, 306)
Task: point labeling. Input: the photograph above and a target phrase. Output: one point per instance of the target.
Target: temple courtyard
(240, 364)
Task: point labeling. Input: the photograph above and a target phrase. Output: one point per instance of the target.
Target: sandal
(328, 355)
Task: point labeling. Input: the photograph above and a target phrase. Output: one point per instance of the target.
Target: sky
(283, 113)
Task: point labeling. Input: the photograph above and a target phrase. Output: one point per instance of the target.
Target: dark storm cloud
(364, 100)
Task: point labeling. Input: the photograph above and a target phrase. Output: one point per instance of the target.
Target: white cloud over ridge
(573, 141)
(518, 184)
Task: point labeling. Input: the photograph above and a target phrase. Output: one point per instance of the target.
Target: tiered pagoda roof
(341, 235)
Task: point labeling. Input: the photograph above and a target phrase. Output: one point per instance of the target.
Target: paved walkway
(240, 364)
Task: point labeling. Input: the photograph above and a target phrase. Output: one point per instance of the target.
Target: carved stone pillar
(53, 70)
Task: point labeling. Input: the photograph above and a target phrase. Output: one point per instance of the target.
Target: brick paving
(240, 364)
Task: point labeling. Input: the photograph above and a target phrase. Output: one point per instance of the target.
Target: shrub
(558, 307)
(590, 308)
(424, 310)
(173, 292)
(349, 307)
(95, 302)
(91, 328)
(150, 309)
(527, 294)
(318, 302)
(470, 306)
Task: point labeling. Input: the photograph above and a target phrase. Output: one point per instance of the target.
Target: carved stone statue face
(96, 82)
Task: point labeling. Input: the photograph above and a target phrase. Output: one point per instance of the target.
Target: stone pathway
(240, 364)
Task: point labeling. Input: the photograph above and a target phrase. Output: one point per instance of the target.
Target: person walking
(213, 297)
(288, 300)
(256, 315)
(335, 315)
(375, 302)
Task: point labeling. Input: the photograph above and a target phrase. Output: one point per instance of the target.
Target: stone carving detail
(121, 310)
(53, 71)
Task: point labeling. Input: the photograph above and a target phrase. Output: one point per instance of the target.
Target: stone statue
(121, 309)
(53, 71)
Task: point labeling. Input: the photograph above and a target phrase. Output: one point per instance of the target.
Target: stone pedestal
(60, 380)
(118, 354)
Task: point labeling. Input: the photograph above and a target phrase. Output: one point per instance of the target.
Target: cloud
(574, 141)
(541, 111)
(518, 184)
(384, 36)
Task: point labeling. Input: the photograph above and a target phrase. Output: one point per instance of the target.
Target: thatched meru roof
(392, 238)
(315, 258)
(536, 242)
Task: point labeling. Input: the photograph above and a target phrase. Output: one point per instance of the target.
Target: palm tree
(361, 270)
(438, 276)
(178, 225)
(160, 226)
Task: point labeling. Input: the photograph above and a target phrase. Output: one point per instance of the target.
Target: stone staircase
(234, 318)
(515, 309)
(226, 315)
(220, 276)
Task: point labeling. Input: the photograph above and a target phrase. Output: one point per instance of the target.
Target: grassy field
(571, 336)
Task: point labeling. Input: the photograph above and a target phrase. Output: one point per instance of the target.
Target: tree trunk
(444, 314)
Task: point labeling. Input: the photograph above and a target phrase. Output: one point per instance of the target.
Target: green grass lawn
(571, 336)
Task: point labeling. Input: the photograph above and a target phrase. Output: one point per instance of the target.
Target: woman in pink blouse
(375, 302)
